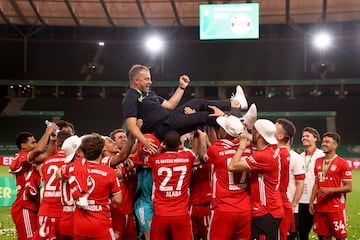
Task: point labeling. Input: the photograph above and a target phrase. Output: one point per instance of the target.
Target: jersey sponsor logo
(348, 173)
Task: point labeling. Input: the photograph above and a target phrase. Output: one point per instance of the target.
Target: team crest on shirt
(333, 168)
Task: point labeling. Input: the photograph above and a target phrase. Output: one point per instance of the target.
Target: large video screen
(229, 21)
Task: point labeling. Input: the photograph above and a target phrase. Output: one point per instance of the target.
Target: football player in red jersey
(72, 161)
(200, 191)
(123, 218)
(171, 171)
(285, 130)
(119, 136)
(26, 205)
(333, 179)
(231, 201)
(93, 221)
(50, 207)
(264, 167)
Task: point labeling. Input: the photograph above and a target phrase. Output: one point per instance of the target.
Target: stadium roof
(163, 13)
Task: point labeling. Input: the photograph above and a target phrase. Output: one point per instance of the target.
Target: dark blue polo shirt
(145, 106)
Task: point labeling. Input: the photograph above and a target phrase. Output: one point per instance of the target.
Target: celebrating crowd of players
(239, 179)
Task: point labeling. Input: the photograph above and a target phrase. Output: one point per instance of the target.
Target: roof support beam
(141, 11)
(72, 12)
(173, 5)
(36, 12)
(4, 17)
(103, 4)
(19, 12)
(287, 11)
(324, 11)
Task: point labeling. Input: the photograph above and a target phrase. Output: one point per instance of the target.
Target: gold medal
(322, 179)
(325, 166)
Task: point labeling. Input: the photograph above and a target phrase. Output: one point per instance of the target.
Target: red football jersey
(285, 163)
(67, 200)
(51, 201)
(28, 182)
(128, 180)
(337, 171)
(95, 221)
(200, 185)
(171, 173)
(265, 167)
(284, 175)
(231, 189)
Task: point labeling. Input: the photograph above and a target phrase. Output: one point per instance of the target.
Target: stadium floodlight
(322, 40)
(155, 44)
(101, 43)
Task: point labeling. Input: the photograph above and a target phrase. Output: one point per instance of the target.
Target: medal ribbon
(325, 166)
(308, 162)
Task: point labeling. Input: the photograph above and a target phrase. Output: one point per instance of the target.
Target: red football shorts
(48, 228)
(124, 226)
(238, 225)
(174, 227)
(25, 221)
(200, 219)
(286, 222)
(330, 224)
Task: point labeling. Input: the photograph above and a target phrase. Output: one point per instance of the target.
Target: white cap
(231, 124)
(266, 129)
(70, 145)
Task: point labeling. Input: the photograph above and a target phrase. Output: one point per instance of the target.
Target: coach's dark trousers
(184, 123)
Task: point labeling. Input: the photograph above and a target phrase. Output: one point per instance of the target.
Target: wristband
(182, 88)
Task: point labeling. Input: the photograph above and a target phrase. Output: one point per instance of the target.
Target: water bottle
(48, 123)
